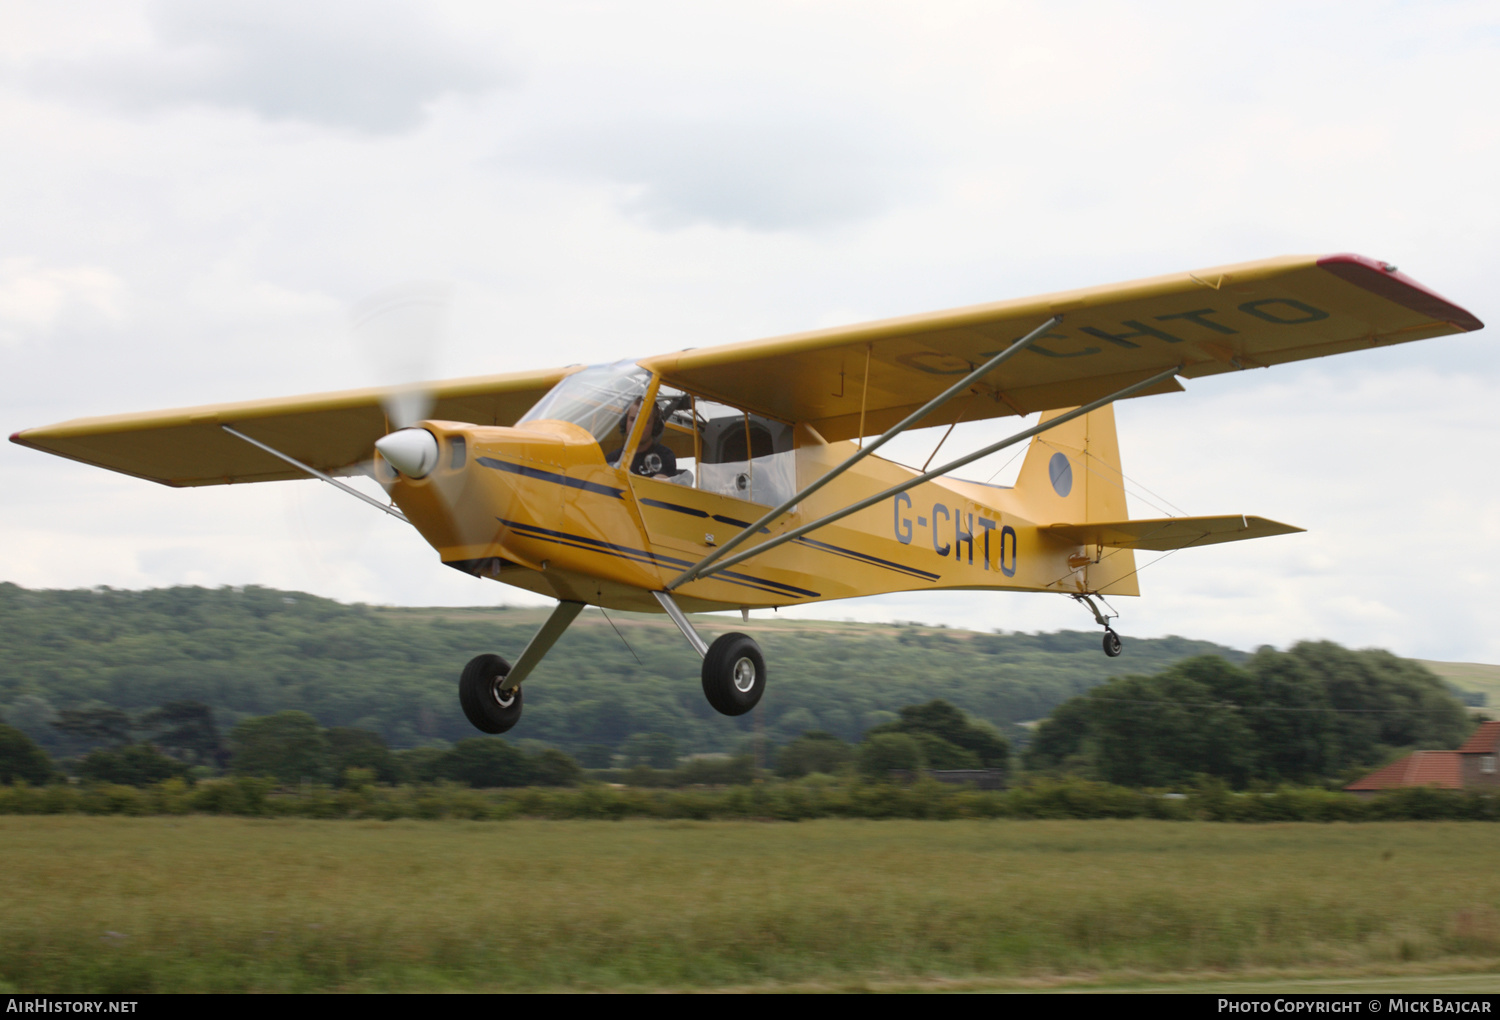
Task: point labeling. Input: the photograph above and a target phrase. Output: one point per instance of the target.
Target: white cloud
(370, 65)
(758, 170)
(34, 298)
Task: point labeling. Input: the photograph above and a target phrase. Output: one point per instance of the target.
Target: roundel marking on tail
(1061, 473)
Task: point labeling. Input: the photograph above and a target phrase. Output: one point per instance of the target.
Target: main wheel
(488, 707)
(1111, 643)
(734, 674)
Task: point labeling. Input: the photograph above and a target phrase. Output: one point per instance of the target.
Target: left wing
(1170, 532)
(1226, 319)
(333, 432)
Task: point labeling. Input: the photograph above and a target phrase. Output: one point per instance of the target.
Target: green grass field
(225, 904)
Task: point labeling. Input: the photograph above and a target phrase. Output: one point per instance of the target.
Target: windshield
(595, 398)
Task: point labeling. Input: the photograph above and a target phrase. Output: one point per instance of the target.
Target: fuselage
(540, 507)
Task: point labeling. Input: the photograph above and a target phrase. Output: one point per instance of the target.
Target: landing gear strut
(1112, 643)
(490, 688)
(734, 670)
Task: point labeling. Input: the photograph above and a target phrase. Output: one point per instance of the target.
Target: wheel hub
(744, 675)
(502, 697)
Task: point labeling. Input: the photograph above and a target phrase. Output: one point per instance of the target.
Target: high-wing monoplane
(745, 476)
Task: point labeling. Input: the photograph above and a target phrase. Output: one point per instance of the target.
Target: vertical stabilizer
(1072, 475)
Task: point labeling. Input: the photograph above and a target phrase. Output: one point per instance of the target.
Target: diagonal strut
(698, 569)
(911, 483)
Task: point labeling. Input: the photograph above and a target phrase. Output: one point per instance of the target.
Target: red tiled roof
(1484, 739)
(1443, 769)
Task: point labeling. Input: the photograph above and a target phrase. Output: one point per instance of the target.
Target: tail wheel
(734, 674)
(487, 706)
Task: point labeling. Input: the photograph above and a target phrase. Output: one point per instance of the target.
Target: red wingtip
(1382, 278)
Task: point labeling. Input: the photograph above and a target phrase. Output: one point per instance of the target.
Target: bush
(883, 753)
(418, 764)
(486, 762)
(657, 750)
(132, 765)
(553, 768)
(242, 795)
(1079, 798)
(943, 754)
(814, 751)
(289, 746)
(736, 771)
(21, 760)
(952, 736)
(114, 799)
(350, 748)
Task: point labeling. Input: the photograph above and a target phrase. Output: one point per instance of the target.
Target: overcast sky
(196, 192)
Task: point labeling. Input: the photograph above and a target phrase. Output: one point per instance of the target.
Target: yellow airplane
(744, 476)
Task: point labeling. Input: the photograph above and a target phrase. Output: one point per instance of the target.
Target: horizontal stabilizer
(1171, 532)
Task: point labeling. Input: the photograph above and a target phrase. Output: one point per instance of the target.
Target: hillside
(1475, 678)
(254, 651)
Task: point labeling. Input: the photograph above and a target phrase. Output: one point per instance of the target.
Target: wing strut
(351, 490)
(697, 569)
(702, 570)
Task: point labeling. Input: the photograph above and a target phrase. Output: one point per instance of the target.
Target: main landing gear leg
(1112, 644)
(734, 670)
(490, 688)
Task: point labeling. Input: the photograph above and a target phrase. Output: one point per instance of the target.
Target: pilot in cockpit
(652, 458)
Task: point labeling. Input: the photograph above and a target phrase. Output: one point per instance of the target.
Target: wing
(852, 379)
(1227, 319)
(333, 432)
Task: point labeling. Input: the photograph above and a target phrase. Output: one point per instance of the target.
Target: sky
(197, 193)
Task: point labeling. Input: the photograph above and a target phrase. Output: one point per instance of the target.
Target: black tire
(1112, 644)
(734, 674)
(479, 694)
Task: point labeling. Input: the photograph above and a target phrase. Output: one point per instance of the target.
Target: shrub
(289, 746)
(882, 753)
(132, 765)
(814, 751)
(21, 759)
(554, 768)
(486, 762)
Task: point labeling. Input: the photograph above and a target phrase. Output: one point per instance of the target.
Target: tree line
(1314, 713)
(260, 682)
(255, 651)
(291, 748)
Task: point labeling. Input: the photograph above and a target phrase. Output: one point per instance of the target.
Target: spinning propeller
(399, 331)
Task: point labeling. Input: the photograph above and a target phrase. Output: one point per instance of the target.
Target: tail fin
(1072, 475)
(1072, 472)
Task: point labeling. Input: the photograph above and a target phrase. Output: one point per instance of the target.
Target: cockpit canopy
(596, 399)
(716, 447)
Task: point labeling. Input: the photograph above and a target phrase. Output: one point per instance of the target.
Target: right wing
(1226, 319)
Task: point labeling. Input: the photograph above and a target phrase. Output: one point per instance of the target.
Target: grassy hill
(1477, 677)
(254, 651)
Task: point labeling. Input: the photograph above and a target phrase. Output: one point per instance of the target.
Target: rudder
(1072, 475)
